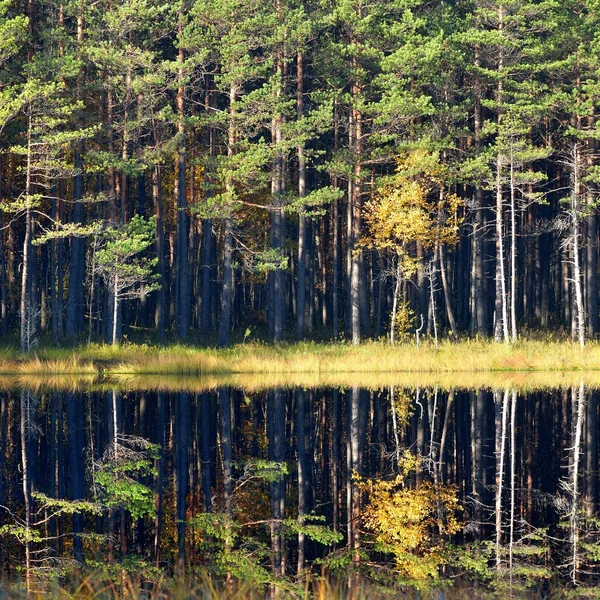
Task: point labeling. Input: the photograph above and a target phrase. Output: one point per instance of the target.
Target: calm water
(219, 480)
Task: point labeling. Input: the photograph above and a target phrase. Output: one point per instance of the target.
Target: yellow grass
(371, 357)
(471, 364)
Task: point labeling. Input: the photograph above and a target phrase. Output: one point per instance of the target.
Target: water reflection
(269, 483)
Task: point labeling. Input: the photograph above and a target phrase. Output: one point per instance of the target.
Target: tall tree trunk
(302, 237)
(277, 305)
(302, 468)
(500, 449)
(161, 294)
(478, 315)
(578, 400)
(591, 299)
(513, 478)
(336, 253)
(76, 436)
(182, 267)
(501, 325)
(446, 290)
(25, 398)
(181, 428)
(513, 254)
(227, 293)
(115, 311)
(75, 322)
(575, 244)
(356, 284)
(4, 278)
(26, 307)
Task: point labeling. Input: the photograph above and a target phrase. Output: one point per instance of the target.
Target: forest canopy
(298, 169)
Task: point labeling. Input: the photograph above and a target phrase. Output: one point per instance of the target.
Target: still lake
(487, 487)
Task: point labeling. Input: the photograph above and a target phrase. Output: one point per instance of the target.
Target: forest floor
(472, 363)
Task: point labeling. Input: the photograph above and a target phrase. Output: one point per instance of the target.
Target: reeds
(307, 359)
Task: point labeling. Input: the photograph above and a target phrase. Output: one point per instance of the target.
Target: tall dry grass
(97, 586)
(468, 357)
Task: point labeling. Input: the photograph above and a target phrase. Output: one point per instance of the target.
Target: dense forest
(334, 169)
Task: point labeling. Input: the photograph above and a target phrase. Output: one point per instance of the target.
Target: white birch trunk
(500, 479)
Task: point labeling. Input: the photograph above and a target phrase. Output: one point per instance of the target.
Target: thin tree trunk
(432, 307)
(227, 292)
(25, 307)
(579, 400)
(575, 246)
(226, 302)
(300, 435)
(513, 478)
(500, 478)
(356, 199)
(513, 254)
(301, 294)
(26, 488)
(501, 326)
(161, 301)
(446, 290)
(115, 315)
(182, 267)
(395, 301)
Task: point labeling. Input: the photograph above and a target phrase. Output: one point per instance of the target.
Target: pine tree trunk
(208, 241)
(513, 479)
(446, 290)
(26, 488)
(356, 284)
(182, 266)
(76, 436)
(302, 467)
(478, 315)
(161, 300)
(591, 300)
(75, 322)
(278, 275)
(25, 306)
(227, 293)
(513, 254)
(301, 294)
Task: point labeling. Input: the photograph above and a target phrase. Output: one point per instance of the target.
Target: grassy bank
(469, 357)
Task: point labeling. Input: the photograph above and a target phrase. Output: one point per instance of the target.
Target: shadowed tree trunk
(76, 437)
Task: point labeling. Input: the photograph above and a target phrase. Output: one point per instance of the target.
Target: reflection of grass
(519, 380)
(522, 381)
(307, 359)
(99, 585)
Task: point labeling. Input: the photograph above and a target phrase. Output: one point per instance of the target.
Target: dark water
(218, 481)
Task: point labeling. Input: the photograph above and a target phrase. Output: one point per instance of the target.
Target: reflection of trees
(242, 480)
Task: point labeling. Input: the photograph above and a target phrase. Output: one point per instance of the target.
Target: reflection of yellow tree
(411, 524)
(413, 206)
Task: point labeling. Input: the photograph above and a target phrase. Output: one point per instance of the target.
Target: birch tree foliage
(411, 524)
(411, 207)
